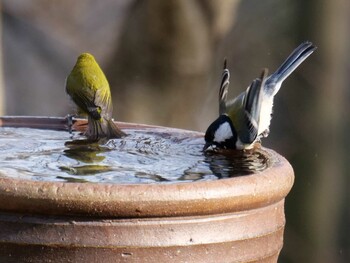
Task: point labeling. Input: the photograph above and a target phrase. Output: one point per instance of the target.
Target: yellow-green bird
(88, 87)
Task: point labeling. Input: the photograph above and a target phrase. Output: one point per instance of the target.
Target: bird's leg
(69, 119)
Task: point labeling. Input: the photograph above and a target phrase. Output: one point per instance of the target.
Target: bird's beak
(208, 146)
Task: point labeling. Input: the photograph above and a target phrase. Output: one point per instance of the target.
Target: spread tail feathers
(290, 64)
(103, 128)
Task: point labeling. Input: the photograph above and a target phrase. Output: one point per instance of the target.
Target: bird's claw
(70, 123)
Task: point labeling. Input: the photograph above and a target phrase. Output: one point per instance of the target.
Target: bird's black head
(221, 133)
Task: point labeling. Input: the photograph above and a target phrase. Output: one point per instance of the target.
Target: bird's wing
(104, 101)
(84, 99)
(252, 106)
(225, 81)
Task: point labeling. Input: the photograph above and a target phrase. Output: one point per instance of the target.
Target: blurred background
(164, 59)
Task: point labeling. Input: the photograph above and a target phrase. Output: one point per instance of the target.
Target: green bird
(88, 87)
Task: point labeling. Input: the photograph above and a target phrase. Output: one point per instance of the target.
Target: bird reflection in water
(228, 163)
(87, 152)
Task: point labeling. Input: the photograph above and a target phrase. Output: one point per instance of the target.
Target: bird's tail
(291, 63)
(225, 81)
(103, 129)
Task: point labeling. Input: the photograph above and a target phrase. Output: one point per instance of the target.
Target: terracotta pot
(239, 219)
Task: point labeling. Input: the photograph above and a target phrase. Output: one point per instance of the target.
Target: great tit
(246, 119)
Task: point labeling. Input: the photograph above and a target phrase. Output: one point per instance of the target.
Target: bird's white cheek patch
(223, 132)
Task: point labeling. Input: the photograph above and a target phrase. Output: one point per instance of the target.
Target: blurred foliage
(163, 60)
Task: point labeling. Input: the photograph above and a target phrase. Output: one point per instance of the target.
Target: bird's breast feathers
(265, 115)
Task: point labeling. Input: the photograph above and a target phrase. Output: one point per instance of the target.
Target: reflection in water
(72, 179)
(88, 152)
(86, 169)
(235, 163)
(144, 156)
(153, 177)
(85, 151)
(226, 164)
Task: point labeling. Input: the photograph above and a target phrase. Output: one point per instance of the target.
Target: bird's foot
(70, 122)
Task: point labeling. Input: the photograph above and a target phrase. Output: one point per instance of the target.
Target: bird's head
(85, 59)
(221, 133)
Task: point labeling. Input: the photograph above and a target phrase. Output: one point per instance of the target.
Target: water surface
(145, 156)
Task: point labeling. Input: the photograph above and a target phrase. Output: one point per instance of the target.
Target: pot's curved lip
(143, 200)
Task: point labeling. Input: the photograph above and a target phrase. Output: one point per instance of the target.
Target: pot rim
(142, 200)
